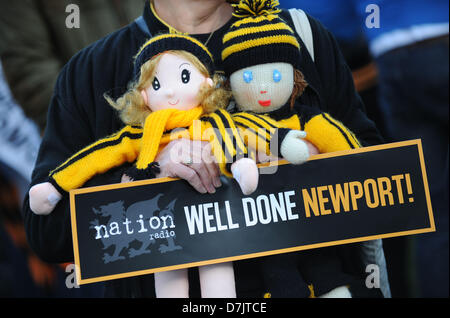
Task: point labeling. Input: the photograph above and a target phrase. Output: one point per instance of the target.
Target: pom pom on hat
(248, 8)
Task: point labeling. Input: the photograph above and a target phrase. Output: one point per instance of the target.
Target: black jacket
(79, 115)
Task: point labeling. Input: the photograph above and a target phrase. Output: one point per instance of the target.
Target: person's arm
(342, 101)
(50, 236)
(69, 130)
(30, 64)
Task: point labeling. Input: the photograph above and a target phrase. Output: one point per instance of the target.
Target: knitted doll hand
(293, 148)
(246, 173)
(43, 198)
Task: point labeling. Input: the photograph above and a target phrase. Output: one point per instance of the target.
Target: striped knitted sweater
(129, 145)
(323, 131)
(230, 135)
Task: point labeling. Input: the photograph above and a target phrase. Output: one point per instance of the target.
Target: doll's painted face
(176, 84)
(263, 88)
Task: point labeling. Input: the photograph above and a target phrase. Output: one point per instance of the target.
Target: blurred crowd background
(398, 51)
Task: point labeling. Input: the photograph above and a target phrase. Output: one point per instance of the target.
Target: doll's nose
(263, 88)
(170, 92)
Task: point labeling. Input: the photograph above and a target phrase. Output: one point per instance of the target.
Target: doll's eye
(276, 76)
(156, 84)
(185, 76)
(248, 76)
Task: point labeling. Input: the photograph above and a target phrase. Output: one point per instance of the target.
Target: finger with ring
(188, 161)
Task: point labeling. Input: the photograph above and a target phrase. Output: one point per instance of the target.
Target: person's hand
(126, 179)
(192, 161)
(312, 149)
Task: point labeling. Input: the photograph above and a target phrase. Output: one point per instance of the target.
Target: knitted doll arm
(322, 130)
(226, 142)
(256, 130)
(325, 132)
(263, 133)
(97, 158)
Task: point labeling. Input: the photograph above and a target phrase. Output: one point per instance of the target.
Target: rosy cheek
(183, 93)
(155, 101)
(188, 101)
(188, 98)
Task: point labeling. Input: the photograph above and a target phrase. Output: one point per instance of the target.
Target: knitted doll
(175, 89)
(261, 56)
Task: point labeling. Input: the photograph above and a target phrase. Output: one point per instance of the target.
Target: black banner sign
(149, 226)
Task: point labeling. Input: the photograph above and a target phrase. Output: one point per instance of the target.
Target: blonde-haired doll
(175, 88)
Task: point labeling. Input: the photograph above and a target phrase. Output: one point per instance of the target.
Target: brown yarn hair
(132, 108)
(300, 85)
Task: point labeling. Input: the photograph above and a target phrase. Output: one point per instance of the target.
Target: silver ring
(188, 161)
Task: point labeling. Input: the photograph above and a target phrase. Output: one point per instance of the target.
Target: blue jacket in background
(347, 17)
(403, 21)
(339, 16)
(403, 14)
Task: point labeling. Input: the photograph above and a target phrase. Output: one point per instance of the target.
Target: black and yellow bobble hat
(173, 41)
(259, 36)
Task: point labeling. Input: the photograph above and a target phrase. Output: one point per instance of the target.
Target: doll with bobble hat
(261, 57)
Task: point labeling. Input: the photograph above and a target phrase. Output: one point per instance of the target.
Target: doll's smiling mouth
(173, 104)
(265, 103)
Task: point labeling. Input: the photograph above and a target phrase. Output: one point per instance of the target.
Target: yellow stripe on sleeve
(329, 135)
(112, 138)
(96, 159)
(345, 130)
(234, 131)
(291, 123)
(225, 136)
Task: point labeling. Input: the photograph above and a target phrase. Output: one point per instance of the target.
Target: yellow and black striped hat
(259, 36)
(173, 41)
